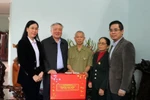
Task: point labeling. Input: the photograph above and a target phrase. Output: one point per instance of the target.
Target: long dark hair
(25, 33)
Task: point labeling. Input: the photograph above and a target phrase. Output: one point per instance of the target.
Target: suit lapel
(40, 48)
(62, 46)
(116, 48)
(30, 48)
(101, 60)
(110, 48)
(95, 58)
(38, 45)
(103, 57)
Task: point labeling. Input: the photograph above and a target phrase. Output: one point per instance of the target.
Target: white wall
(92, 17)
(139, 27)
(139, 30)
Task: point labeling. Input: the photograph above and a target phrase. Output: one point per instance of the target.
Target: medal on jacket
(99, 63)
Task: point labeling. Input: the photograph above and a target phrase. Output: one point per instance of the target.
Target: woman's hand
(40, 75)
(36, 78)
(90, 84)
(101, 92)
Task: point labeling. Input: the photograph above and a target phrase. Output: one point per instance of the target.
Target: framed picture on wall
(3, 46)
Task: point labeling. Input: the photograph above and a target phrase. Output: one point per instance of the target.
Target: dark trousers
(31, 89)
(96, 96)
(46, 87)
(46, 84)
(116, 97)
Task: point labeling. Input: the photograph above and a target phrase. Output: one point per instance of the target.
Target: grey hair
(80, 32)
(56, 24)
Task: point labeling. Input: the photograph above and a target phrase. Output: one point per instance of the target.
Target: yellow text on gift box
(67, 87)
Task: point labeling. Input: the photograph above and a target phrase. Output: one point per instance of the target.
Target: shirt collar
(115, 43)
(32, 41)
(59, 41)
(53, 41)
(82, 48)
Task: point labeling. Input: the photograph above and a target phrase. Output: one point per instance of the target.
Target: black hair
(117, 22)
(25, 33)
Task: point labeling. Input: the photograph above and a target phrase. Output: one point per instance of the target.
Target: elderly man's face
(79, 38)
(56, 31)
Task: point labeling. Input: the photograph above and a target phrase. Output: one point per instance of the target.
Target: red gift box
(68, 86)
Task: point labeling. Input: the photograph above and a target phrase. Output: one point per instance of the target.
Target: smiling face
(56, 31)
(79, 38)
(32, 30)
(115, 32)
(102, 45)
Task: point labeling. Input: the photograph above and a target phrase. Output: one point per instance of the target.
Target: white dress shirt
(36, 50)
(60, 64)
(113, 47)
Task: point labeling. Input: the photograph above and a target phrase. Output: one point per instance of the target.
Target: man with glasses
(122, 62)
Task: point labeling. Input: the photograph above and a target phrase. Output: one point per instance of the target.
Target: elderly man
(79, 56)
(56, 52)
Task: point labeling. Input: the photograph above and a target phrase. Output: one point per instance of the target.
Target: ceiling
(4, 7)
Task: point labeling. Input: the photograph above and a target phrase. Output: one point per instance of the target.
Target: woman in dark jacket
(30, 57)
(99, 71)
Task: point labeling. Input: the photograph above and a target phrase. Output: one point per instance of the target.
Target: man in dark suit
(122, 62)
(56, 51)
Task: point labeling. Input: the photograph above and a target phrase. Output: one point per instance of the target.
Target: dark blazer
(122, 64)
(99, 71)
(50, 50)
(27, 59)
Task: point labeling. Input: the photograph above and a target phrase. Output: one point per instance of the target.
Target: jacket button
(95, 70)
(94, 77)
(95, 74)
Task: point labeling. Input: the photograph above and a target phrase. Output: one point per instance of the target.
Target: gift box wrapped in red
(68, 86)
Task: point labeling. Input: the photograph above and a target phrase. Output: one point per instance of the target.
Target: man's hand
(86, 74)
(90, 84)
(101, 92)
(70, 68)
(70, 71)
(121, 92)
(52, 72)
